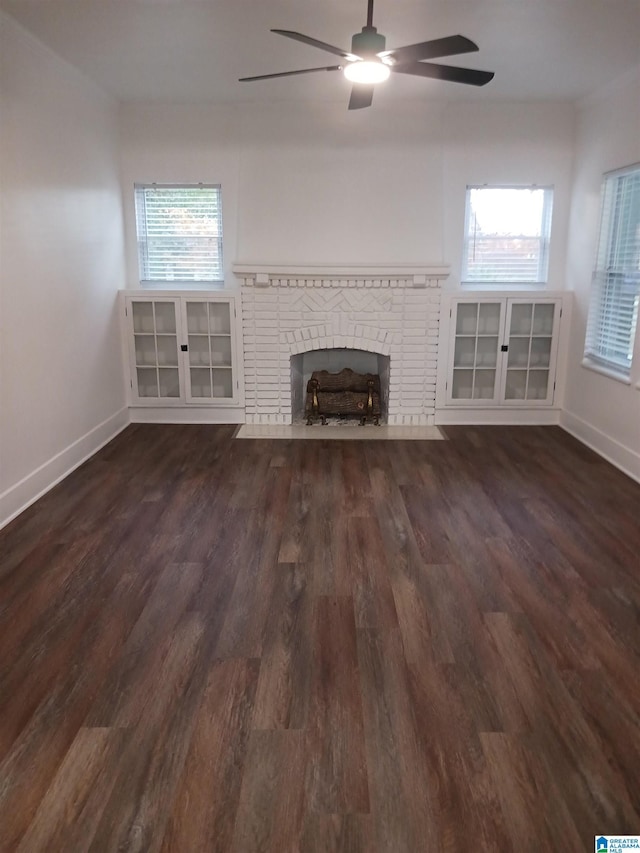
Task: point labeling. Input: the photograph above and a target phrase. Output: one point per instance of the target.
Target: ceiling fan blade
(315, 43)
(470, 76)
(433, 49)
(290, 73)
(361, 96)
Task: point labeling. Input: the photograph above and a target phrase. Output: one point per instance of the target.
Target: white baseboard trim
(497, 417)
(18, 497)
(627, 460)
(186, 415)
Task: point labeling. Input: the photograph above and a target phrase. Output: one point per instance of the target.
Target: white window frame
(541, 278)
(615, 290)
(145, 267)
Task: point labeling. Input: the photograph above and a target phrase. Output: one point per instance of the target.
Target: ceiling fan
(369, 63)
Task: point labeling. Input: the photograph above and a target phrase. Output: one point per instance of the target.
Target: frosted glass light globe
(366, 71)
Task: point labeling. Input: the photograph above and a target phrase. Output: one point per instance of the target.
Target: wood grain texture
(368, 647)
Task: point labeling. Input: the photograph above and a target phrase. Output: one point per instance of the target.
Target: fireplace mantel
(265, 275)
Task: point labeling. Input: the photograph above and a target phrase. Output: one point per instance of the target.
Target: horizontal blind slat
(615, 293)
(179, 232)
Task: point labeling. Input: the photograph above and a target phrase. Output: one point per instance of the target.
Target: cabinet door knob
(504, 348)
(184, 347)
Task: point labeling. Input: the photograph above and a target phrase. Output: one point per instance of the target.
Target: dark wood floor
(209, 644)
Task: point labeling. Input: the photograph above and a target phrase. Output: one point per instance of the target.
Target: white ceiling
(177, 50)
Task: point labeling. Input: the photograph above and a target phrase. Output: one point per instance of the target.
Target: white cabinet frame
(210, 369)
(529, 364)
(502, 351)
(164, 369)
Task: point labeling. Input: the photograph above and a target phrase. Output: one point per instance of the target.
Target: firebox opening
(335, 360)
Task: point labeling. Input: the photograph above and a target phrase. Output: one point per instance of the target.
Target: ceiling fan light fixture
(367, 71)
(369, 62)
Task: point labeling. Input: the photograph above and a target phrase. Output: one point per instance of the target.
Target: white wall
(603, 412)
(61, 263)
(312, 183)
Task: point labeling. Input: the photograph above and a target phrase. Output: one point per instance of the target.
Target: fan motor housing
(367, 43)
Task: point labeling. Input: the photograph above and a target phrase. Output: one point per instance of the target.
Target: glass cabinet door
(210, 353)
(155, 349)
(475, 351)
(530, 367)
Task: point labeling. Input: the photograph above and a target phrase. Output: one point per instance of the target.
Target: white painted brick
(407, 330)
(268, 348)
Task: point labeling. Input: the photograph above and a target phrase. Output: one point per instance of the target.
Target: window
(179, 232)
(615, 291)
(507, 233)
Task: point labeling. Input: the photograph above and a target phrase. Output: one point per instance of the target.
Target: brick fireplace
(391, 312)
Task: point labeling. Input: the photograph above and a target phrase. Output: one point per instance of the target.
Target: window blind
(179, 232)
(615, 292)
(507, 234)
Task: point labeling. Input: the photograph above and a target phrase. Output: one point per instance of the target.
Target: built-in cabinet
(182, 350)
(502, 351)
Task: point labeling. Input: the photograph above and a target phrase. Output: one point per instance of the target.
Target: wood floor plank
(270, 814)
(136, 813)
(337, 781)
(284, 685)
(278, 645)
(369, 579)
(244, 627)
(401, 806)
(126, 689)
(535, 815)
(572, 749)
(204, 809)
(69, 799)
(352, 833)
(465, 805)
